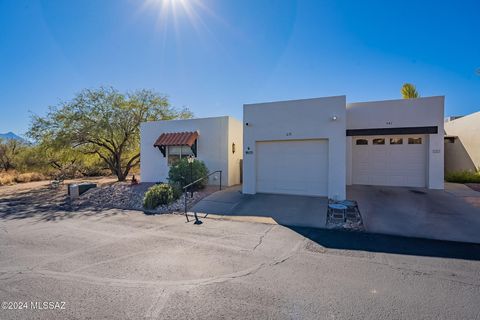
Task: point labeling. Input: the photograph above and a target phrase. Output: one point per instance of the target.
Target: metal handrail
(208, 175)
(194, 182)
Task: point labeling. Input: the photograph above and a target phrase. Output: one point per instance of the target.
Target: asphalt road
(127, 265)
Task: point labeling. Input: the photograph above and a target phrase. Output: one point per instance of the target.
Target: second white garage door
(390, 160)
(292, 167)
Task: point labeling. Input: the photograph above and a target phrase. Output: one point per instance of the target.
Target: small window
(379, 141)
(414, 140)
(175, 153)
(361, 142)
(173, 159)
(396, 140)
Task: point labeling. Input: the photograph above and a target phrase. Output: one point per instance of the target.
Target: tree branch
(131, 163)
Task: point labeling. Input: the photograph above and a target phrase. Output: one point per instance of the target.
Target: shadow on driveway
(370, 242)
(452, 214)
(289, 210)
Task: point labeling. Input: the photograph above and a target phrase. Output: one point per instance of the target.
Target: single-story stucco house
(217, 141)
(311, 146)
(462, 143)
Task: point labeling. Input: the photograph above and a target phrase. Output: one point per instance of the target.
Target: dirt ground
(40, 199)
(46, 184)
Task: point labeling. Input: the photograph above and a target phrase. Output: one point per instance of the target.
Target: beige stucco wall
(464, 153)
(214, 147)
(235, 136)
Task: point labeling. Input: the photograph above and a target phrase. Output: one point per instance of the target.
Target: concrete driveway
(288, 210)
(450, 214)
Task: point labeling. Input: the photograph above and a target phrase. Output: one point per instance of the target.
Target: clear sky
(215, 55)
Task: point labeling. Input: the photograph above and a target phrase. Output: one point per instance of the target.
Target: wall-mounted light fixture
(233, 147)
(334, 118)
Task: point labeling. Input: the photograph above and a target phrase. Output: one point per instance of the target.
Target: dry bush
(13, 176)
(7, 178)
(29, 177)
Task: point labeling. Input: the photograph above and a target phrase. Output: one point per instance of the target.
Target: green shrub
(463, 177)
(177, 190)
(180, 174)
(159, 194)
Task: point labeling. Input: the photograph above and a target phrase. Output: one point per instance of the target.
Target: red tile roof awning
(176, 139)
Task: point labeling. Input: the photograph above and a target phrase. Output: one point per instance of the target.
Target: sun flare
(176, 9)
(175, 14)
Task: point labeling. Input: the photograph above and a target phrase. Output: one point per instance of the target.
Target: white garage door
(389, 160)
(292, 167)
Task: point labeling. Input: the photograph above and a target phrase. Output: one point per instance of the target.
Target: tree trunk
(118, 167)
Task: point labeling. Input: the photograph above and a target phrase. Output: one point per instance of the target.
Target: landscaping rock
(123, 195)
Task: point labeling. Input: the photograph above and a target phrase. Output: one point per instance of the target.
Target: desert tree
(106, 123)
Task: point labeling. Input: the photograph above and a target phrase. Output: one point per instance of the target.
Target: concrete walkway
(286, 210)
(451, 214)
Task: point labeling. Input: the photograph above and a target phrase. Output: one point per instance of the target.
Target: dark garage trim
(392, 131)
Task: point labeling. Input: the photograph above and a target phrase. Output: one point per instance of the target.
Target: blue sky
(217, 55)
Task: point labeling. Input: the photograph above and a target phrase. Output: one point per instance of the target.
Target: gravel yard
(122, 195)
(41, 200)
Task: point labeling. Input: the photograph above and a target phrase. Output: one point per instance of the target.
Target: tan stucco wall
(464, 153)
(235, 136)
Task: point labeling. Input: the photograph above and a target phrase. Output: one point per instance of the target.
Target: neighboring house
(451, 118)
(216, 141)
(404, 142)
(309, 147)
(318, 146)
(462, 143)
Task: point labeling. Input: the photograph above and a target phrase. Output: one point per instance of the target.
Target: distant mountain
(11, 136)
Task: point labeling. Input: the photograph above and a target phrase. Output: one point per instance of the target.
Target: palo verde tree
(106, 123)
(409, 91)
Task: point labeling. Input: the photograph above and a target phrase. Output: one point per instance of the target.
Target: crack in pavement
(153, 233)
(158, 304)
(68, 276)
(263, 236)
